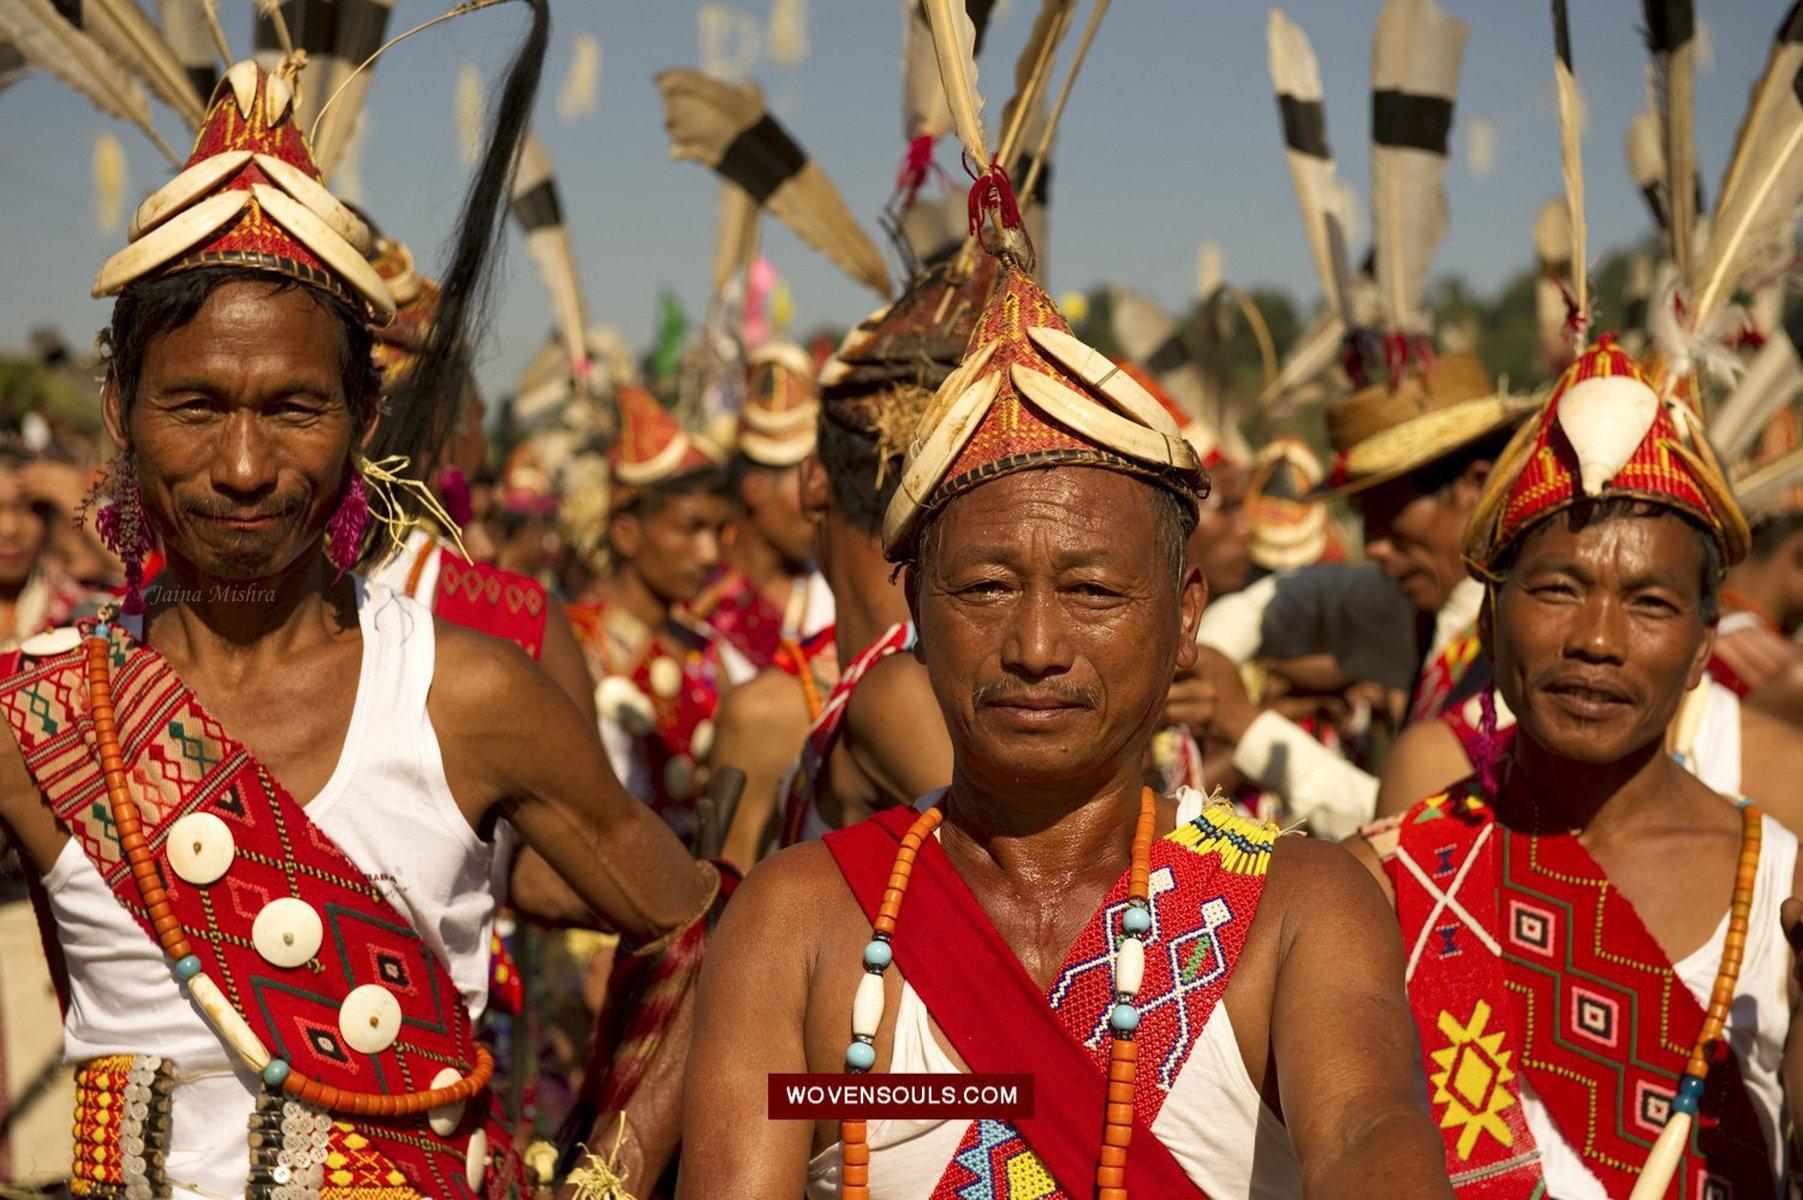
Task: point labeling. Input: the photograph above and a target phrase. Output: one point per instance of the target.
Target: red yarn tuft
(917, 163)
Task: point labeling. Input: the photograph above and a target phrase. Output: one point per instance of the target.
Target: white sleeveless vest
(388, 807)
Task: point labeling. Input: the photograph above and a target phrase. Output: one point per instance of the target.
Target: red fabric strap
(994, 1014)
(492, 601)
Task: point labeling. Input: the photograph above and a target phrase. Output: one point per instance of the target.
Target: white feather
(110, 183)
(1417, 50)
(788, 33)
(469, 113)
(581, 92)
(955, 45)
(1480, 147)
(924, 111)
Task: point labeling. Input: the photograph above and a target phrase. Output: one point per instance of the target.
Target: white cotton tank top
(1213, 1120)
(1758, 1020)
(388, 807)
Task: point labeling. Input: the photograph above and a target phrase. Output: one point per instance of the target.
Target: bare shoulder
(790, 904)
(473, 670)
(1425, 759)
(1771, 755)
(898, 679)
(770, 702)
(1311, 879)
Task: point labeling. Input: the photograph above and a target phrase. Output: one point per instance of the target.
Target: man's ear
(1486, 623)
(625, 534)
(112, 410)
(816, 490)
(1700, 662)
(754, 489)
(1191, 602)
(911, 589)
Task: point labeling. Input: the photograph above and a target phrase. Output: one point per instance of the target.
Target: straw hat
(1386, 430)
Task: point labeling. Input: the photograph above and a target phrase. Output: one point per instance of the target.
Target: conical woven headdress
(1604, 432)
(776, 428)
(251, 196)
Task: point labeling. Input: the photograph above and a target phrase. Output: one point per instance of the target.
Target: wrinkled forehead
(1633, 546)
(1060, 512)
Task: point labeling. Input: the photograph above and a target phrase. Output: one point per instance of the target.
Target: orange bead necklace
(1123, 1018)
(231, 1027)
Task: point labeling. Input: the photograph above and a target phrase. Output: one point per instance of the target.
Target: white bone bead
(475, 1160)
(1129, 966)
(225, 1019)
(867, 1007)
(447, 1117)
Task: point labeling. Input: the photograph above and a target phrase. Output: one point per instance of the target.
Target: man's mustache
(222, 508)
(1012, 691)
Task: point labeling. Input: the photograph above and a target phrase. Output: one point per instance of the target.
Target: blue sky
(1171, 137)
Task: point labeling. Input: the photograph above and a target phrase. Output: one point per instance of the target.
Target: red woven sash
(819, 743)
(1524, 961)
(1207, 878)
(180, 761)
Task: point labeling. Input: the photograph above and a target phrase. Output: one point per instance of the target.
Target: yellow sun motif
(1473, 1069)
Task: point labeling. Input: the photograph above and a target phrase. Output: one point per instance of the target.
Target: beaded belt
(121, 1127)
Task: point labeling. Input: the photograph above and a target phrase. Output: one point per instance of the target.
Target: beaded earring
(121, 524)
(344, 533)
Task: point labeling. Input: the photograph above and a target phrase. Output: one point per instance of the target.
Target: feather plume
(787, 34)
(337, 38)
(1571, 160)
(538, 209)
(1553, 265)
(1480, 147)
(1415, 60)
(924, 110)
(122, 28)
(581, 92)
(1646, 162)
(725, 127)
(185, 25)
(110, 184)
(1759, 489)
(737, 241)
(44, 39)
(1773, 379)
(1149, 338)
(1025, 115)
(1297, 79)
(470, 137)
(730, 42)
(1763, 185)
(1670, 33)
(954, 45)
(1208, 269)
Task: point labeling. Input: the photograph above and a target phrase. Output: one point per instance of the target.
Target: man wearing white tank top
(1204, 1008)
(262, 808)
(1600, 946)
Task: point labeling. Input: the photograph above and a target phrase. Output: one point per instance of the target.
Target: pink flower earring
(344, 533)
(122, 526)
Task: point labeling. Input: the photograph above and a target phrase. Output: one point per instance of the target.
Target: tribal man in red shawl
(1583, 915)
(1173, 975)
(262, 799)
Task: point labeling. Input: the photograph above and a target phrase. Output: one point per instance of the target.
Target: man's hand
(1211, 699)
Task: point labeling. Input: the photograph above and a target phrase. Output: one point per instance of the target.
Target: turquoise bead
(1136, 921)
(276, 1073)
(860, 1056)
(1690, 1092)
(103, 631)
(187, 966)
(878, 955)
(1123, 1018)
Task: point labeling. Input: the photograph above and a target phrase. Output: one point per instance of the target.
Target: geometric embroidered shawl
(1523, 960)
(178, 761)
(1207, 877)
(1447, 677)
